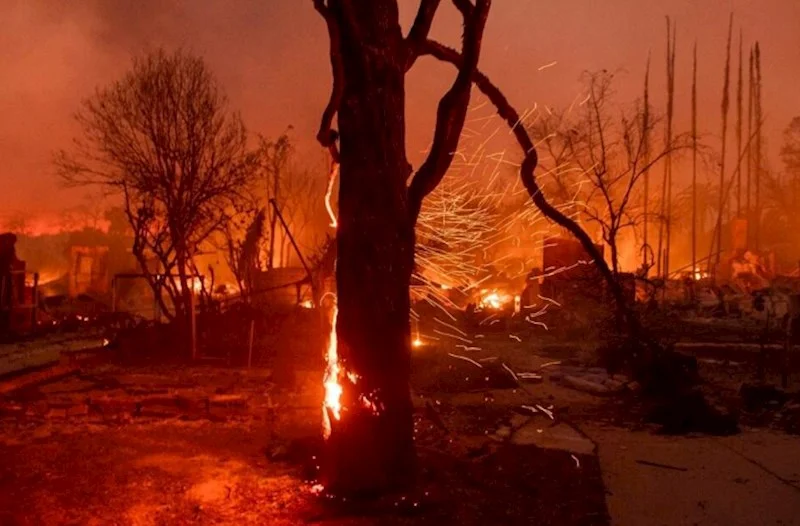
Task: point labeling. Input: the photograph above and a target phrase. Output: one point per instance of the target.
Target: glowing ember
(317, 489)
(307, 304)
(417, 342)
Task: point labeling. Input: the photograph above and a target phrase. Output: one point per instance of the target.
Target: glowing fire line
(332, 405)
(329, 192)
(333, 388)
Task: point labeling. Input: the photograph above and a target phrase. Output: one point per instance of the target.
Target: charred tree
(759, 166)
(163, 138)
(646, 265)
(749, 157)
(370, 434)
(739, 113)
(665, 230)
(725, 108)
(370, 445)
(694, 161)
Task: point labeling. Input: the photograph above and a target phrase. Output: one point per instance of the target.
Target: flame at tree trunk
(332, 406)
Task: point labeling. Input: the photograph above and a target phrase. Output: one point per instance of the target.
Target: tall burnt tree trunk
(375, 255)
(725, 108)
(759, 116)
(371, 443)
(694, 162)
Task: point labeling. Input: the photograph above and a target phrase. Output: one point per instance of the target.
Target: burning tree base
(368, 454)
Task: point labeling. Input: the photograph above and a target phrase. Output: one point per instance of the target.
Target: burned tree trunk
(375, 257)
(369, 424)
(725, 107)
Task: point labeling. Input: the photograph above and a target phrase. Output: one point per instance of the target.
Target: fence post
(193, 323)
(250, 349)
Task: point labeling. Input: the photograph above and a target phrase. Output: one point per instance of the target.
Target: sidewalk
(748, 479)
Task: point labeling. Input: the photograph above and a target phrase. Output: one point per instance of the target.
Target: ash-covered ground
(520, 432)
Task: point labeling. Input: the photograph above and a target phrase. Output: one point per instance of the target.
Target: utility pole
(694, 162)
(646, 139)
(759, 137)
(739, 111)
(725, 107)
(664, 229)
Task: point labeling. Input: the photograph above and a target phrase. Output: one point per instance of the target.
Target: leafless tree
(781, 195)
(790, 150)
(597, 160)
(164, 139)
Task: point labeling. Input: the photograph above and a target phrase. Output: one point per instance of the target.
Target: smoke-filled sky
(271, 57)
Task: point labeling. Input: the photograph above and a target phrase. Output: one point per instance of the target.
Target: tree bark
(371, 447)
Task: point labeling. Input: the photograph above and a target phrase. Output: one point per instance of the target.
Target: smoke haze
(271, 58)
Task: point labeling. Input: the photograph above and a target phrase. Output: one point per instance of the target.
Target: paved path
(748, 479)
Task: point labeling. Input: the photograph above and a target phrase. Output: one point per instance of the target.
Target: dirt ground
(166, 445)
(202, 445)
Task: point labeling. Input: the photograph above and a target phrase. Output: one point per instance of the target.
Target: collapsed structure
(17, 293)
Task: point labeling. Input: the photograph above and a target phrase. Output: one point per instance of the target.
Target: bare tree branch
(512, 118)
(452, 109)
(163, 138)
(326, 135)
(465, 6)
(420, 29)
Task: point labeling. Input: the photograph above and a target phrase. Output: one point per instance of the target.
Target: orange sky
(271, 57)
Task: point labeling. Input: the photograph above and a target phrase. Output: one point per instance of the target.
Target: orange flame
(333, 389)
(495, 300)
(332, 405)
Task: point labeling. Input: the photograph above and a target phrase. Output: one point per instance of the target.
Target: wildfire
(494, 300)
(47, 277)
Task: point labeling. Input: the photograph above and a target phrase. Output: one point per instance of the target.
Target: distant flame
(48, 277)
(307, 304)
(495, 300)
